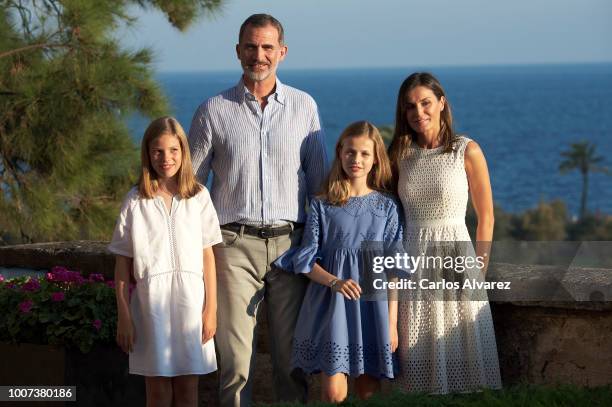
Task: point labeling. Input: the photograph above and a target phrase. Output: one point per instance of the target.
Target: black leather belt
(265, 232)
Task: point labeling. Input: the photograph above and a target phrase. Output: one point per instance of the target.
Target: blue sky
(391, 33)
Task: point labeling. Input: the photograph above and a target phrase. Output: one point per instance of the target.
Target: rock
(85, 256)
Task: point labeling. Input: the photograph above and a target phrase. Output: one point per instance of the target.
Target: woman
(446, 338)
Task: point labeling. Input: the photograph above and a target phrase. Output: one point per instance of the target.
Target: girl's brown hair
(336, 188)
(403, 134)
(148, 184)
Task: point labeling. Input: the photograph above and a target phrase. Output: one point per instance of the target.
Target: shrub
(62, 308)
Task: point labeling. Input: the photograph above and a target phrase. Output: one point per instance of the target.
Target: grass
(523, 396)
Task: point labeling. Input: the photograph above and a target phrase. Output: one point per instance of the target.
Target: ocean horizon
(237, 70)
(523, 117)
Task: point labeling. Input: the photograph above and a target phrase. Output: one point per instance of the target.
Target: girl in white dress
(446, 342)
(163, 241)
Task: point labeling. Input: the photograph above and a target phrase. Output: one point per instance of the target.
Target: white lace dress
(445, 346)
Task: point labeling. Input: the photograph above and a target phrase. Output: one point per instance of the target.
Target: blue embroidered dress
(334, 334)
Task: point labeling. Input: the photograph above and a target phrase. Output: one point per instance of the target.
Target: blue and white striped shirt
(264, 163)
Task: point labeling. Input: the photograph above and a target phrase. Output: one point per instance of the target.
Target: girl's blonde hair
(148, 184)
(336, 188)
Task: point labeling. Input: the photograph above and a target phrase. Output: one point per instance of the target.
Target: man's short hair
(262, 20)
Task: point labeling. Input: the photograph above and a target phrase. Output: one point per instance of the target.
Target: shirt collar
(279, 91)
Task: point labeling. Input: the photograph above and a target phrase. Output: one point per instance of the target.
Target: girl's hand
(125, 334)
(209, 326)
(349, 288)
(394, 337)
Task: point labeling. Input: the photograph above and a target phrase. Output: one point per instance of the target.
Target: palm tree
(582, 157)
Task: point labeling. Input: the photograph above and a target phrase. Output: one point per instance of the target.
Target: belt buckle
(266, 233)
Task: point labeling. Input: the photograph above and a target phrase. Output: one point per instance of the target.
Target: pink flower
(97, 324)
(57, 274)
(63, 275)
(96, 277)
(58, 296)
(25, 306)
(31, 285)
(110, 283)
(1, 278)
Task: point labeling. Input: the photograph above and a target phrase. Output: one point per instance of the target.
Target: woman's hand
(209, 325)
(394, 337)
(125, 334)
(393, 334)
(349, 288)
(209, 313)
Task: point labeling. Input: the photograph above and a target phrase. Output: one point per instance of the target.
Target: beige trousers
(245, 278)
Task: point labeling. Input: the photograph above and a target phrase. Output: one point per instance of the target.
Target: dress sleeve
(211, 232)
(300, 260)
(121, 242)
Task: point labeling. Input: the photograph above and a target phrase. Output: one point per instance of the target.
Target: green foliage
(549, 221)
(66, 89)
(591, 228)
(386, 132)
(61, 309)
(582, 157)
(517, 396)
(181, 13)
(545, 222)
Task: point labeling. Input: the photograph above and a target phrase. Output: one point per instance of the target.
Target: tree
(545, 222)
(66, 89)
(386, 132)
(581, 156)
(593, 227)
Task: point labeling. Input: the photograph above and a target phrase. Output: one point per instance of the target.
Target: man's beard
(257, 76)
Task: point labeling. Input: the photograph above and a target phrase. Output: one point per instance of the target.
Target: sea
(523, 117)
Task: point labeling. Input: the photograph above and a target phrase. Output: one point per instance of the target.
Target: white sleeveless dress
(445, 346)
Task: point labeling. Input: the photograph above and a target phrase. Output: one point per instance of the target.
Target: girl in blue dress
(338, 333)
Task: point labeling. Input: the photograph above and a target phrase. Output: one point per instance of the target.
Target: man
(264, 143)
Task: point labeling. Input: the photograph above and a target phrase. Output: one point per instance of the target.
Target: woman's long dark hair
(404, 134)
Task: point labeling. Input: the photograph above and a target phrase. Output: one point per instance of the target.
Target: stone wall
(539, 341)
